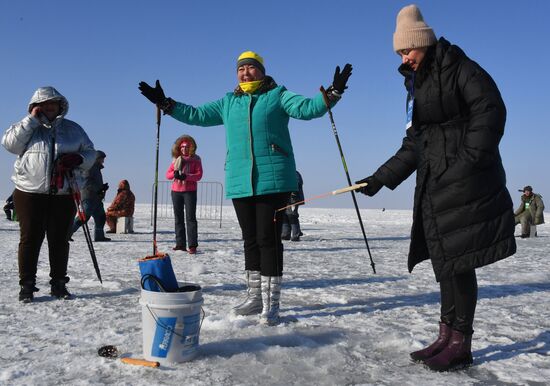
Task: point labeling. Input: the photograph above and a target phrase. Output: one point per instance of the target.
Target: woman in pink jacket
(185, 171)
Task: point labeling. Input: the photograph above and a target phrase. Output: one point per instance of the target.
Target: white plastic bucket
(171, 324)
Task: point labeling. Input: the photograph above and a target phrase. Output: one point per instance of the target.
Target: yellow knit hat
(252, 58)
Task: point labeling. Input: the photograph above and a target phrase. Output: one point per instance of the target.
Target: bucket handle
(148, 276)
(170, 329)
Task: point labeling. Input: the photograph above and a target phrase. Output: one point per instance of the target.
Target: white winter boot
(271, 293)
(253, 302)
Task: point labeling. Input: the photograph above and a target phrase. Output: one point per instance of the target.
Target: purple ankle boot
(436, 347)
(457, 354)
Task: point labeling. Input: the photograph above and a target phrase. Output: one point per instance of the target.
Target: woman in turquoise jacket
(260, 170)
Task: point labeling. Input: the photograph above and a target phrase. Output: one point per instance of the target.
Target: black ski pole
(82, 217)
(327, 103)
(155, 194)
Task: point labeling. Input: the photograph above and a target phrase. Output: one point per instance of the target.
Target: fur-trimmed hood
(176, 146)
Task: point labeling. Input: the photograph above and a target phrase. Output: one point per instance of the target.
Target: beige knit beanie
(411, 31)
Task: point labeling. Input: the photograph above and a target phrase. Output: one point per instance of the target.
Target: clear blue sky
(96, 52)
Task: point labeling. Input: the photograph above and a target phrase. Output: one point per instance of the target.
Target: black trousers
(291, 216)
(43, 215)
(261, 229)
(458, 301)
(185, 212)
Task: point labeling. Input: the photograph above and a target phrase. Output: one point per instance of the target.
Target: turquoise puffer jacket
(259, 159)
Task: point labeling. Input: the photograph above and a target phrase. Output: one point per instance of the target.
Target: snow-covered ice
(342, 324)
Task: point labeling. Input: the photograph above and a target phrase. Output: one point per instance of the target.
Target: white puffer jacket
(38, 145)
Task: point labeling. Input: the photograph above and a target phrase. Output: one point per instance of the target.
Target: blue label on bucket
(190, 334)
(163, 337)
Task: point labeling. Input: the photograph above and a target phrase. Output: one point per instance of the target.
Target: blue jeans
(93, 208)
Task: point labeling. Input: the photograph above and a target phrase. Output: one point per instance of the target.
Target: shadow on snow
(230, 347)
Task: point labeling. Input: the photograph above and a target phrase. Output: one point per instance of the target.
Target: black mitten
(373, 186)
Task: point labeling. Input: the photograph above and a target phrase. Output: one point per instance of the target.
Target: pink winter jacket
(192, 167)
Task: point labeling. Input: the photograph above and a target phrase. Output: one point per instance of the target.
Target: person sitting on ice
(122, 206)
(530, 211)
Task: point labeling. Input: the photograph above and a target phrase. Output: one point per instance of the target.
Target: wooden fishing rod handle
(349, 188)
(140, 362)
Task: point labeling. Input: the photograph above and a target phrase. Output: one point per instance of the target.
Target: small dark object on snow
(108, 351)
(189, 288)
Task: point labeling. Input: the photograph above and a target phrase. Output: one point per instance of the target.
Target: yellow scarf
(250, 87)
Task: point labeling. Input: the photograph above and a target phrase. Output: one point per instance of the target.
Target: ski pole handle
(325, 97)
(139, 362)
(349, 188)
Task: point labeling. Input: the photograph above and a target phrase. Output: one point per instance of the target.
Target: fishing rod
(332, 193)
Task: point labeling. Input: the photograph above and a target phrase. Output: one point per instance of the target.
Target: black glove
(155, 95)
(179, 175)
(374, 185)
(341, 78)
(105, 187)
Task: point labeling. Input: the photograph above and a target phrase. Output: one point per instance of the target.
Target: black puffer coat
(463, 214)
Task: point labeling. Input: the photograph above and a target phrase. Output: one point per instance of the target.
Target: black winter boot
(456, 355)
(436, 347)
(285, 233)
(59, 289)
(26, 294)
(295, 232)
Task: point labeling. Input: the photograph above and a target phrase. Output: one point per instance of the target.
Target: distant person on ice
(185, 171)
(530, 211)
(123, 205)
(260, 166)
(93, 193)
(9, 207)
(291, 218)
(47, 146)
(463, 215)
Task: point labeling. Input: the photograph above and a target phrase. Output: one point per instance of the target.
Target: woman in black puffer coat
(463, 214)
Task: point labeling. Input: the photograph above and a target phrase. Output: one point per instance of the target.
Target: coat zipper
(52, 159)
(250, 140)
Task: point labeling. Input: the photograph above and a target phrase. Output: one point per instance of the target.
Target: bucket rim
(180, 284)
(172, 306)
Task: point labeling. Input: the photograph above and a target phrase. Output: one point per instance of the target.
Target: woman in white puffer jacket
(47, 147)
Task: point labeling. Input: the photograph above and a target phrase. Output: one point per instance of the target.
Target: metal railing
(209, 201)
